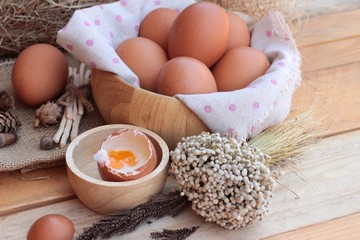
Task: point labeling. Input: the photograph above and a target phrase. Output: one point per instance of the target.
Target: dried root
(74, 100)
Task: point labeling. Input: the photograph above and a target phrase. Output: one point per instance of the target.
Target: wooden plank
(16, 225)
(327, 28)
(330, 54)
(324, 7)
(334, 162)
(343, 228)
(38, 188)
(335, 91)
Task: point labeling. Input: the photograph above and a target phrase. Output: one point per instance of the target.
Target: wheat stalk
(288, 140)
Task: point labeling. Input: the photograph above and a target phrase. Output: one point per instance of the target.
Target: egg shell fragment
(130, 140)
(201, 31)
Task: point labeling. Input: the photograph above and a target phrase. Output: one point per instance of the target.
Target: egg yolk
(118, 159)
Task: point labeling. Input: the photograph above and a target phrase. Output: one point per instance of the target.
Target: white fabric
(92, 35)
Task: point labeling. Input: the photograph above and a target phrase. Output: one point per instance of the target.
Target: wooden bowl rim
(160, 168)
(122, 81)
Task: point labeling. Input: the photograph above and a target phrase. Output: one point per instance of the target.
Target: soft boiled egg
(127, 154)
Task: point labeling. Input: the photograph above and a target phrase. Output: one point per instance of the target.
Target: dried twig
(125, 221)
(177, 234)
(24, 23)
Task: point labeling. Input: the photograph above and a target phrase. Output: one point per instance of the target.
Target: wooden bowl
(107, 197)
(120, 102)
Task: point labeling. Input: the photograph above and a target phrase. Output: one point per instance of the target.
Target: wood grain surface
(321, 196)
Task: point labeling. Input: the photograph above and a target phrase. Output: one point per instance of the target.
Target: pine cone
(9, 122)
(7, 101)
(47, 114)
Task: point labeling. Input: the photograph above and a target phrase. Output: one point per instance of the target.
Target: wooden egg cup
(107, 197)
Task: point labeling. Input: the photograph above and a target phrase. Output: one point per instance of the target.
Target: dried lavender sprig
(125, 221)
(173, 234)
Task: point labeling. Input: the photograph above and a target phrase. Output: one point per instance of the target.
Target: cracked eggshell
(127, 154)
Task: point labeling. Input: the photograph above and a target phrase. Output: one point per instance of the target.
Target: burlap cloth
(26, 153)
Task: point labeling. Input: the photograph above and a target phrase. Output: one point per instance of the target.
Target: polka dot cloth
(267, 100)
(92, 35)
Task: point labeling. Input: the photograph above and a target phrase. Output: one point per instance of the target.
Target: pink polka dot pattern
(93, 64)
(136, 28)
(230, 130)
(118, 18)
(116, 60)
(253, 129)
(69, 47)
(281, 64)
(254, 105)
(232, 107)
(273, 82)
(123, 3)
(208, 108)
(89, 42)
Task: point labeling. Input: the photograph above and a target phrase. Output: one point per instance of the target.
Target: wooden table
(326, 179)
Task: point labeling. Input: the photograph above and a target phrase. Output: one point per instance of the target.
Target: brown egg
(239, 67)
(39, 74)
(185, 75)
(156, 26)
(201, 31)
(51, 227)
(145, 58)
(126, 155)
(239, 32)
